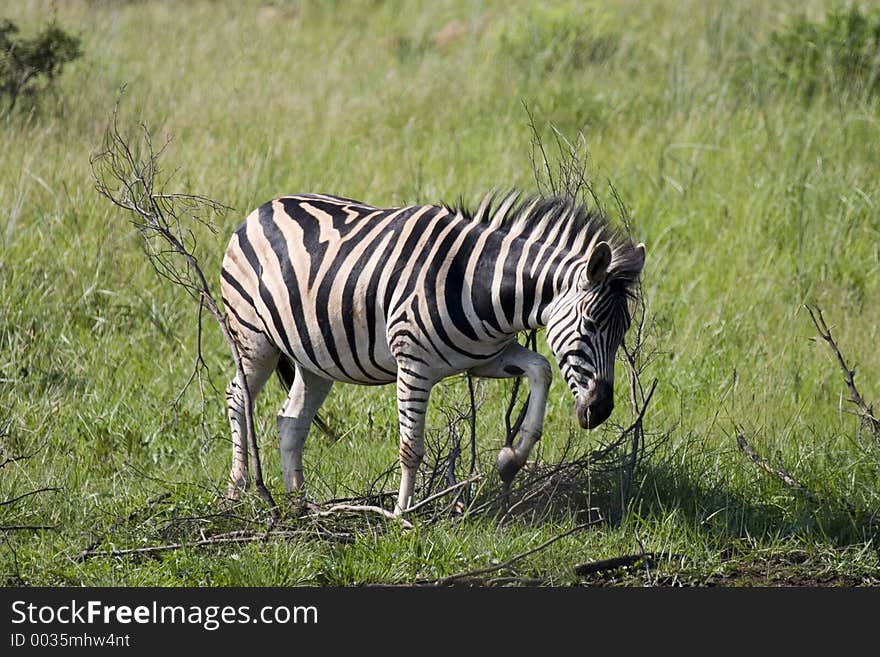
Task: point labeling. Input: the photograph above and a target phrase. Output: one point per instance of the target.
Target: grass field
(754, 190)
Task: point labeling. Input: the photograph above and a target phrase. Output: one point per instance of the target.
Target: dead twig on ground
(871, 518)
(865, 412)
(446, 491)
(119, 522)
(445, 581)
(603, 565)
(13, 500)
(35, 528)
(776, 470)
(220, 539)
(360, 508)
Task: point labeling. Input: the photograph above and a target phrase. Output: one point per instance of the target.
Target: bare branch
(506, 564)
(233, 537)
(34, 528)
(849, 374)
(444, 492)
(360, 508)
(132, 182)
(120, 522)
(625, 561)
(50, 489)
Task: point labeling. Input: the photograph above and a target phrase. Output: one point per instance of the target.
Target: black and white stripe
(342, 291)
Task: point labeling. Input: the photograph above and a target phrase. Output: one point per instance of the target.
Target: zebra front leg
(413, 391)
(516, 360)
(306, 395)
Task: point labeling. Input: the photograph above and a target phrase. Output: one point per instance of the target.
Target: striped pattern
(336, 290)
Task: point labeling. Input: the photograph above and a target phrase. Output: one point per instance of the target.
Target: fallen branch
(360, 508)
(491, 569)
(871, 518)
(626, 561)
(234, 537)
(49, 489)
(446, 491)
(776, 470)
(865, 412)
(35, 528)
(119, 522)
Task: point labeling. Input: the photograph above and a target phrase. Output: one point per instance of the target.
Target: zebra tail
(286, 374)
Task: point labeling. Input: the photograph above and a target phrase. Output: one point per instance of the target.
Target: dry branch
(849, 374)
(451, 489)
(119, 522)
(13, 459)
(776, 470)
(625, 561)
(49, 489)
(221, 539)
(131, 182)
(35, 528)
(506, 564)
(360, 508)
(872, 519)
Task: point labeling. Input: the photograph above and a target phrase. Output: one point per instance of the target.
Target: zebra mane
(562, 220)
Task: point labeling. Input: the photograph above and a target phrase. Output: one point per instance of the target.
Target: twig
(129, 181)
(23, 457)
(777, 471)
(849, 374)
(119, 522)
(780, 473)
(36, 528)
(213, 540)
(446, 491)
(491, 569)
(50, 489)
(614, 563)
(473, 423)
(13, 459)
(358, 508)
(602, 452)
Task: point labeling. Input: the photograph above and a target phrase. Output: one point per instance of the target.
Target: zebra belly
(380, 370)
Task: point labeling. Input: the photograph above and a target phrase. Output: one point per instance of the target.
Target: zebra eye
(590, 326)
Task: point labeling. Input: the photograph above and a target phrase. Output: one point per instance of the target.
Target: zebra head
(587, 324)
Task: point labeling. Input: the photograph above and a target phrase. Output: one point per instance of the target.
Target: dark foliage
(30, 65)
(838, 54)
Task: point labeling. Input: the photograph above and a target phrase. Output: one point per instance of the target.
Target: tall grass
(751, 198)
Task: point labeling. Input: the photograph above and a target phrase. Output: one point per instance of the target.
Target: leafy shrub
(23, 62)
(840, 53)
(569, 35)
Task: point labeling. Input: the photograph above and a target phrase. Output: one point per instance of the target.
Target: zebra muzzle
(593, 408)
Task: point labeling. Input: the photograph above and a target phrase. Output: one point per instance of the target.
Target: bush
(571, 35)
(24, 62)
(839, 54)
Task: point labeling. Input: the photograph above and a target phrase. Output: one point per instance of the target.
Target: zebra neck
(524, 282)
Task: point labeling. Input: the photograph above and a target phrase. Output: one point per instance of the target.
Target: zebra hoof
(234, 490)
(507, 465)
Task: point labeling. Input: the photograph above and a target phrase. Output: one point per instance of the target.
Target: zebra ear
(597, 265)
(640, 254)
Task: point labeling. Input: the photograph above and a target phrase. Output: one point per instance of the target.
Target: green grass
(752, 197)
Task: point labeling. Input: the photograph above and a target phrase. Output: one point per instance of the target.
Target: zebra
(324, 288)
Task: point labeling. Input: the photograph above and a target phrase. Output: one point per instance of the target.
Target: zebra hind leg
(259, 358)
(307, 393)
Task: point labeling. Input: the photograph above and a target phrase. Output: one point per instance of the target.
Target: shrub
(570, 35)
(24, 62)
(838, 54)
